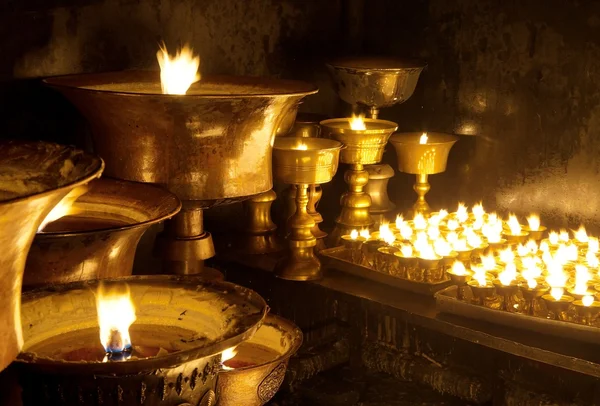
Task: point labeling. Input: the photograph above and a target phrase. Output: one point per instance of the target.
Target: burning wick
(64, 207)
(534, 222)
(116, 313)
(581, 235)
(354, 234)
(513, 225)
(357, 123)
(423, 139)
(177, 74)
(226, 356)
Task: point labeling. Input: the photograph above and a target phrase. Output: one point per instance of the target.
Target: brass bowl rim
(77, 82)
(391, 126)
(295, 330)
(85, 177)
(134, 366)
(168, 212)
(308, 141)
(398, 138)
(374, 64)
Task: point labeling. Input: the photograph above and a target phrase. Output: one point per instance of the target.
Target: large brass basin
(375, 82)
(100, 239)
(212, 145)
(34, 177)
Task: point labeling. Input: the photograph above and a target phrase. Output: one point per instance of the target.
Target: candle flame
(593, 245)
(420, 222)
(480, 277)
(581, 235)
(226, 356)
(488, 262)
(592, 260)
(442, 247)
(587, 300)
(406, 250)
(64, 207)
(462, 214)
(458, 268)
(354, 234)
(364, 233)
(531, 283)
(534, 222)
(177, 73)
(406, 231)
(452, 224)
(357, 123)
(423, 139)
(507, 256)
(301, 147)
(564, 235)
(442, 214)
(478, 210)
(399, 221)
(556, 293)
(116, 313)
(553, 238)
(513, 225)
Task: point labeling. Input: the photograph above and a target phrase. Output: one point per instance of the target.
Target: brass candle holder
(531, 295)
(559, 306)
(381, 205)
(362, 147)
(303, 162)
(513, 239)
(460, 280)
(536, 235)
(506, 291)
(422, 155)
(261, 233)
(481, 292)
(587, 313)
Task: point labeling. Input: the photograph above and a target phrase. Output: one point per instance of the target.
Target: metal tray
(447, 303)
(335, 258)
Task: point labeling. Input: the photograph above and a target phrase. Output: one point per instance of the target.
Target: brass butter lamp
(422, 154)
(363, 146)
(303, 162)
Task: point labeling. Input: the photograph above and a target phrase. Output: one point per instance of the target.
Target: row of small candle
(498, 250)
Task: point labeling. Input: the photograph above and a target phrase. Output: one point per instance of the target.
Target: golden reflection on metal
(315, 165)
(34, 177)
(261, 233)
(209, 147)
(422, 160)
(362, 147)
(381, 205)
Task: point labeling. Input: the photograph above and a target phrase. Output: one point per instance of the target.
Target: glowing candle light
(301, 147)
(442, 247)
(458, 268)
(452, 237)
(423, 139)
(557, 293)
(420, 222)
(534, 222)
(357, 123)
(433, 232)
(478, 211)
(480, 277)
(508, 274)
(488, 262)
(514, 225)
(354, 234)
(587, 300)
(553, 238)
(177, 73)
(522, 250)
(563, 235)
(406, 231)
(364, 233)
(399, 221)
(544, 247)
(507, 256)
(581, 235)
(532, 246)
(452, 225)
(406, 250)
(592, 260)
(462, 214)
(531, 283)
(593, 245)
(442, 214)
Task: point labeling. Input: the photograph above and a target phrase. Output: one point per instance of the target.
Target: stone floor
(340, 387)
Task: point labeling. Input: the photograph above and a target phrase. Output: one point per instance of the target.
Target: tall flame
(116, 313)
(534, 222)
(423, 139)
(513, 224)
(178, 73)
(64, 207)
(357, 123)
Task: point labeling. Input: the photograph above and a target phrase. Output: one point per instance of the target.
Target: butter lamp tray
(447, 302)
(337, 258)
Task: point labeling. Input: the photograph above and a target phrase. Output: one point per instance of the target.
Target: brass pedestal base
(184, 245)
(355, 205)
(260, 236)
(421, 187)
(314, 196)
(381, 205)
(301, 264)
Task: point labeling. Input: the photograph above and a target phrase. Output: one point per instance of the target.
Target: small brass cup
(558, 307)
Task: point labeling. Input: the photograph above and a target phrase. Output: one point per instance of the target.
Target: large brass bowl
(375, 82)
(315, 165)
(211, 146)
(255, 385)
(362, 146)
(99, 239)
(422, 159)
(34, 177)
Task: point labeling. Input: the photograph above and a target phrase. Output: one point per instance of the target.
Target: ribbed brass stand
(314, 196)
(421, 187)
(260, 236)
(301, 263)
(355, 204)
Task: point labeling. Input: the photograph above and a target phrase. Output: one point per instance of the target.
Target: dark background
(518, 80)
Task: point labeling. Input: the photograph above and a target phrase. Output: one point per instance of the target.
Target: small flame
(301, 147)
(582, 277)
(462, 214)
(532, 246)
(357, 123)
(226, 356)
(177, 74)
(452, 224)
(592, 260)
(406, 250)
(420, 222)
(480, 277)
(478, 211)
(507, 256)
(399, 221)
(534, 222)
(488, 262)
(442, 247)
(423, 139)
(587, 300)
(513, 224)
(405, 231)
(458, 268)
(553, 238)
(556, 293)
(544, 247)
(581, 234)
(442, 214)
(64, 207)
(354, 234)
(593, 245)
(564, 235)
(522, 250)
(364, 233)
(433, 232)
(532, 283)
(116, 313)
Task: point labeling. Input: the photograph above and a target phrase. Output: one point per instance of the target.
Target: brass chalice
(422, 154)
(362, 147)
(303, 162)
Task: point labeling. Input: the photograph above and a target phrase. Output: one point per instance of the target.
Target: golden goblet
(422, 154)
(302, 162)
(362, 147)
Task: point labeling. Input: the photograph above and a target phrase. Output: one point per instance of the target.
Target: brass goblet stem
(314, 196)
(260, 237)
(301, 264)
(355, 204)
(421, 187)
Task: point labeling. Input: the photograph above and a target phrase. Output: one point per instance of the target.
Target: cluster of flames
(564, 260)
